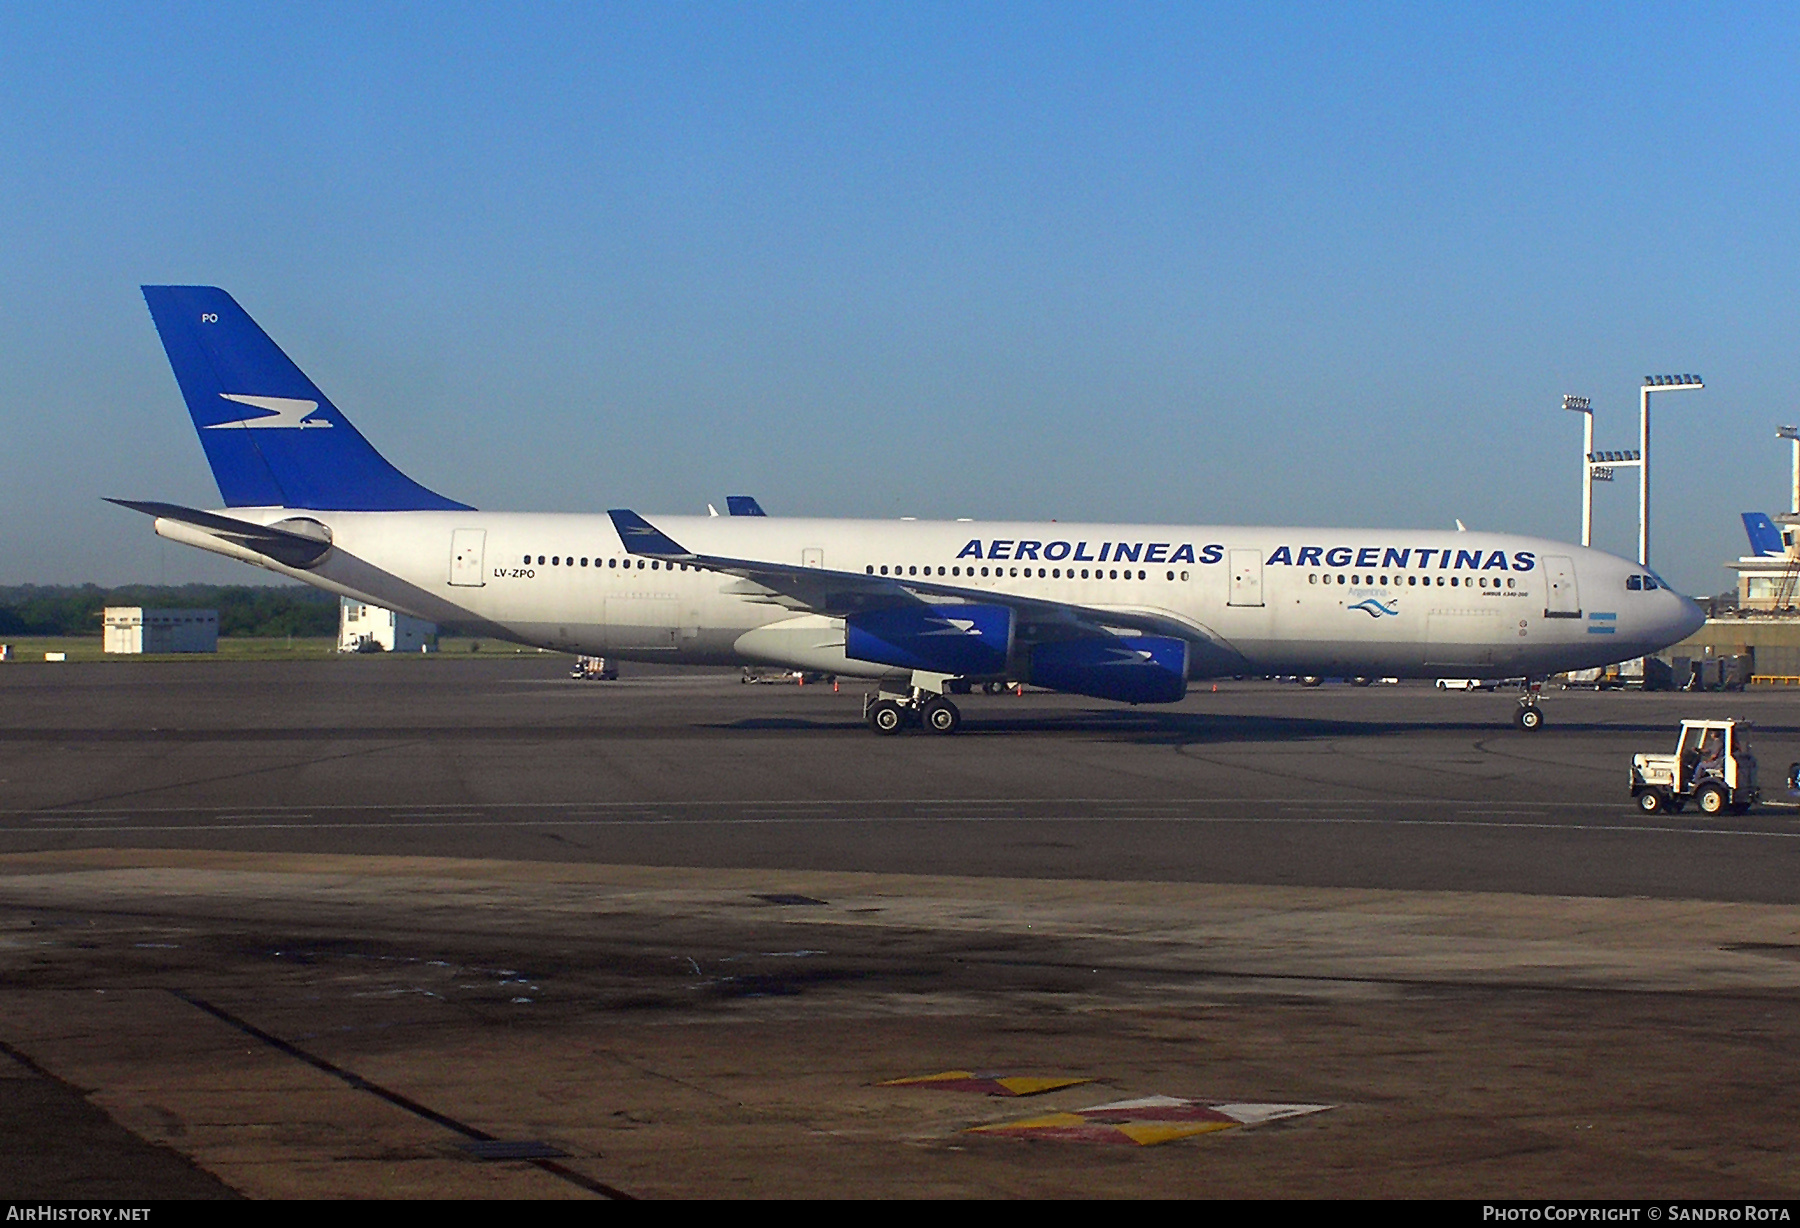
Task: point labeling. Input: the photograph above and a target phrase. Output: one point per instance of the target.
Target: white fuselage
(1253, 600)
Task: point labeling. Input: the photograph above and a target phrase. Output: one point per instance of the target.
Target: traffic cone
(834, 686)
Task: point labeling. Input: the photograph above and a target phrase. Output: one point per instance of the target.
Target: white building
(130, 628)
(363, 627)
(1769, 576)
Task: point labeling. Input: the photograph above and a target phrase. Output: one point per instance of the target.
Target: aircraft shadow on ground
(1137, 725)
(1150, 727)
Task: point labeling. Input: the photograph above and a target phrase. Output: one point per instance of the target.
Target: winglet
(642, 537)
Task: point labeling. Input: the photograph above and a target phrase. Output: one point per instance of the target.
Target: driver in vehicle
(1712, 757)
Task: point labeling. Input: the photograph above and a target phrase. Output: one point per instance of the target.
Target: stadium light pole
(1653, 383)
(1793, 433)
(1585, 407)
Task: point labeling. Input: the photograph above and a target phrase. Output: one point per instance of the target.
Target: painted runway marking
(802, 803)
(254, 816)
(1146, 1121)
(987, 1083)
(382, 820)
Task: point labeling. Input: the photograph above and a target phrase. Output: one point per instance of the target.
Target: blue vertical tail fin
(1765, 538)
(272, 438)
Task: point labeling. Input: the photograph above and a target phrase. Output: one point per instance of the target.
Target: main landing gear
(1528, 716)
(889, 714)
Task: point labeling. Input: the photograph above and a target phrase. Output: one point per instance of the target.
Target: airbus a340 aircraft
(1120, 612)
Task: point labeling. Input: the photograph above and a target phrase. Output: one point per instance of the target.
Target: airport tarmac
(348, 927)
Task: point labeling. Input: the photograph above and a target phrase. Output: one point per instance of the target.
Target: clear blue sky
(1326, 264)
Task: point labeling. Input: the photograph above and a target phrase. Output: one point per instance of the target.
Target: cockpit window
(1634, 583)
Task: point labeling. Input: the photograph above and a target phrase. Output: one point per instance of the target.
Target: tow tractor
(1712, 767)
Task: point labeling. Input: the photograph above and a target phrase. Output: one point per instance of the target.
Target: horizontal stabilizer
(301, 543)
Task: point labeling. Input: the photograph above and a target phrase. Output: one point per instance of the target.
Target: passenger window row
(1043, 573)
(1411, 581)
(1052, 573)
(569, 560)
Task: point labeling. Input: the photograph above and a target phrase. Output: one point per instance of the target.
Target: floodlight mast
(1653, 383)
(1585, 408)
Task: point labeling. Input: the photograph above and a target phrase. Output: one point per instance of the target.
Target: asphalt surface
(1393, 787)
(331, 928)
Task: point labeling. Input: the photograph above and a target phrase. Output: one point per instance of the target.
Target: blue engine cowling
(941, 639)
(1134, 669)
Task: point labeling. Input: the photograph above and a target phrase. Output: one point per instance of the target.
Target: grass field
(86, 649)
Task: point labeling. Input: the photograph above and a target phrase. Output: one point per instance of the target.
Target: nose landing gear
(1528, 717)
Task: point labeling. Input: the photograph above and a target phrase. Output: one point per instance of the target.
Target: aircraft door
(466, 549)
(1246, 578)
(1563, 599)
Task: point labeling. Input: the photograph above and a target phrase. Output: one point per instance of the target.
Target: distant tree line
(34, 609)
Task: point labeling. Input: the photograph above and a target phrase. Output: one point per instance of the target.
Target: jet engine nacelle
(940, 639)
(1134, 669)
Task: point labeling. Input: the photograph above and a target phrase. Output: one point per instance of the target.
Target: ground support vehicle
(966, 686)
(753, 675)
(1528, 717)
(1712, 767)
(594, 669)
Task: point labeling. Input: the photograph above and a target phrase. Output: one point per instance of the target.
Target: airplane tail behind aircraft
(1765, 538)
(272, 438)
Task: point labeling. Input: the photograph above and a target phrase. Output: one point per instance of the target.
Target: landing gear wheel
(1710, 798)
(1530, 718)
(941, 716)
(993, 688)
(886, 717)
(1652, 802)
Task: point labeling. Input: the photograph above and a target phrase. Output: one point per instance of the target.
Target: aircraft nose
(1687, 618)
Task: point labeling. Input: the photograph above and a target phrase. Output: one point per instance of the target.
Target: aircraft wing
(819, 590)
